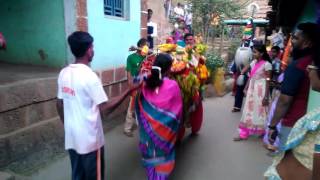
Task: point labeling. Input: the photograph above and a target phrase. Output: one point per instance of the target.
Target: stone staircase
(31, 134)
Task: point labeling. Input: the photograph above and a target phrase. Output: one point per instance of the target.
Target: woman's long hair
(262, 49)
(161, 66)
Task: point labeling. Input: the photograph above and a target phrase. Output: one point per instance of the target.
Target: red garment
(196, 119)
(299, 105)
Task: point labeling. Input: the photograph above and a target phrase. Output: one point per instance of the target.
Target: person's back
(159, 109)
(79, 100)
(79, 88)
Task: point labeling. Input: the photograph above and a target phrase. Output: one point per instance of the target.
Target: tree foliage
(209, 13)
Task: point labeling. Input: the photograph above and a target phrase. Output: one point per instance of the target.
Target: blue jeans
(84, 166)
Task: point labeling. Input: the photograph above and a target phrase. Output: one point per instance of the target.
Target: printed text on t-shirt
(68, 90)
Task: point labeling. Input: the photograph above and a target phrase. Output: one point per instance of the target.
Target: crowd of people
(165, 87)
(165, 97)
(276, 99)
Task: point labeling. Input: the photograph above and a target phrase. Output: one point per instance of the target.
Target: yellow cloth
(218, 81)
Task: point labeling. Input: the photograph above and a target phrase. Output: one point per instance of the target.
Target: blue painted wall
(112, 36)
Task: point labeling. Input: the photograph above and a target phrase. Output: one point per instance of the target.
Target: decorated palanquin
(190, 72)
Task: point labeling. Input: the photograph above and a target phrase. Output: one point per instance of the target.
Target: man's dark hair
(187, 35)
(79, 43)
(142, 42)
(150, 11)
(276, 48)
(310, 31)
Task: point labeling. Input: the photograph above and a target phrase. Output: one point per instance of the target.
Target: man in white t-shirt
(179, 11)
(152, 29)
(81, 98)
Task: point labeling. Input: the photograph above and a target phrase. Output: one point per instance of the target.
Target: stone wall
(28, 119)
(29, 122)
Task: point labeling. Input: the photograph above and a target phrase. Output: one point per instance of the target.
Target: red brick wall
(114, 81)
(82, 21)
(144, 18)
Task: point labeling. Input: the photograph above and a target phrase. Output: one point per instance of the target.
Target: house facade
(36, 33)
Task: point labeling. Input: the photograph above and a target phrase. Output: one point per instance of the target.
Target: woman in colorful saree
(255, 111)
(159, 110)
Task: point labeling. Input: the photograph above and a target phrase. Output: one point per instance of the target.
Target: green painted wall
(309, 15)
(35, 32)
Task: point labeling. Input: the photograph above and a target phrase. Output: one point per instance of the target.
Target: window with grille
(114, 8)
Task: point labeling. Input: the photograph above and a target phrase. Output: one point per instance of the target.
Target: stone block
(12, 120)
(27, 92)
(24, 116)
(107, 76)
(6, 176)
(40, 112)
(32, 140)
(4, 152)
(120, 74)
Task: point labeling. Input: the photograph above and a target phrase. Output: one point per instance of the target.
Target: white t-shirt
(188, 19)
(81, 91)
(179, 11)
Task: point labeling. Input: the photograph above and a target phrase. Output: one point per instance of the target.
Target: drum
(243, 56)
